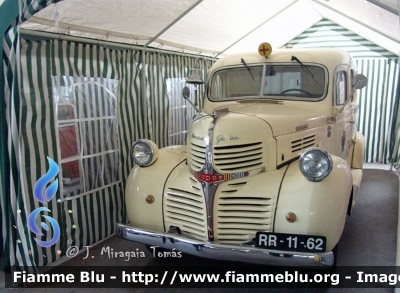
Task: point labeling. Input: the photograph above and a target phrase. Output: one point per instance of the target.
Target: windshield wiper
(294, 58)
(248, 68)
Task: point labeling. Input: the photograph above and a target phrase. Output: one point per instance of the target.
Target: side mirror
(359, 81)
(186, 96)
(186, 93)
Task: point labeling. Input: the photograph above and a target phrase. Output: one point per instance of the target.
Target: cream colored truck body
(239, 173)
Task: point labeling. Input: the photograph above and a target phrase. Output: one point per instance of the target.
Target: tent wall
(15, 235)
(90, 218)
(395, 144)
(143, 107)
(379, 100)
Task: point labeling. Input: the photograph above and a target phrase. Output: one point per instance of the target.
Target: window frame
(261, 94)
(343, 68)
(104, 149)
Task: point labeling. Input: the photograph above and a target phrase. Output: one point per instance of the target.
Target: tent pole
(9, 11)
(72, 27)
(384, 6)
(357, 21)
(40, 34)
(173, 22)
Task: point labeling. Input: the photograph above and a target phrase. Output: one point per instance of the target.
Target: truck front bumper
(211, 250)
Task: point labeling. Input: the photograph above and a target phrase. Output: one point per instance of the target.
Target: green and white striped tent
(379, 118)
(139, 97)
(142, 91)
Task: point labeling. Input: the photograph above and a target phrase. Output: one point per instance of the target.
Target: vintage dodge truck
(272, 166)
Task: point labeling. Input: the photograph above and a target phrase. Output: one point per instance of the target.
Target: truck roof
(328, 57)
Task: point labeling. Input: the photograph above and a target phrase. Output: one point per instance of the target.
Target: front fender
(320, 207)
(143, 182)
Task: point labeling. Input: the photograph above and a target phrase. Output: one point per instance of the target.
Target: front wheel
(334, 250)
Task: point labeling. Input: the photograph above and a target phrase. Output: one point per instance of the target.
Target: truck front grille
(239, 218)
(186, 210)
(197, 156)
(233, 158)
(236, 216)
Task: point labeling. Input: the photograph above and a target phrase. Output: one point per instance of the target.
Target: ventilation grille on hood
(303, 143)
(238, 157)
(197, 156)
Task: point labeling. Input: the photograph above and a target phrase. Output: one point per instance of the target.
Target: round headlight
(315, 164)
(144, 152)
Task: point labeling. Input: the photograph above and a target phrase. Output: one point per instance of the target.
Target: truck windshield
(294, 82)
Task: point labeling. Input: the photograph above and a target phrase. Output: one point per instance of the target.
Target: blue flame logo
(35, 229)
(44, 195)
(44, 180)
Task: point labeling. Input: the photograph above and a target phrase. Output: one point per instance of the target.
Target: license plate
(292, 242)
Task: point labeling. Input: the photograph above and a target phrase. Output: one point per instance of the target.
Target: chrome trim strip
(248, 254)
(210, 188)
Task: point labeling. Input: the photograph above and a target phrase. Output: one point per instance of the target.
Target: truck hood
(283, 119)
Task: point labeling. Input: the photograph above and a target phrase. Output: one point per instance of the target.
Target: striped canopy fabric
(379, 100)
(327, 34)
